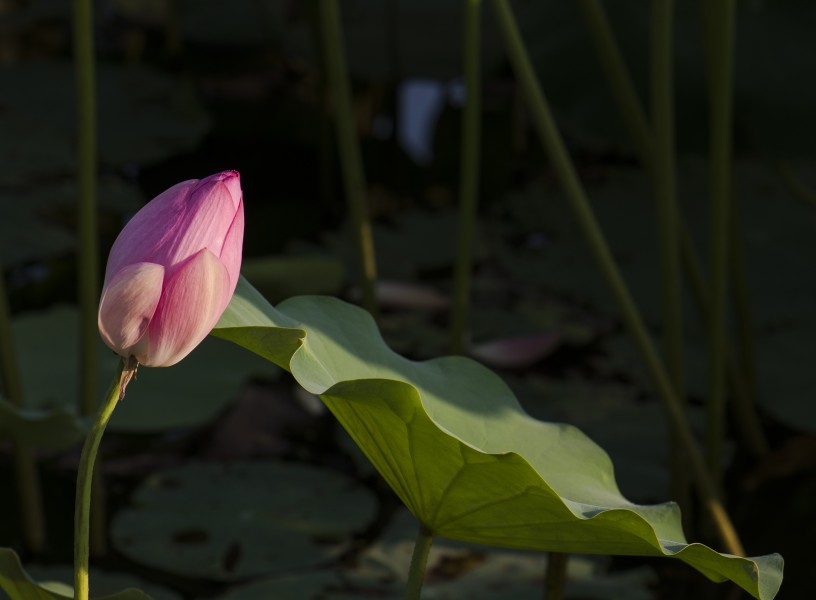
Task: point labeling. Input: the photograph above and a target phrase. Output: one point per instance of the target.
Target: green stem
(620, 82)
(562, 165)
(719, 25)
(28, 483)
(419, 562)
(634, 116)
(348, 146)
(555, 580)
(88, 267)
(668, 221)
(85, 476)
(469, 177)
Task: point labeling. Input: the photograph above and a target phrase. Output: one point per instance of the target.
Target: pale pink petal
(211, 213)
(128, 303)
(151, 231)
(192, 302)
(233, 247)
(232, 180)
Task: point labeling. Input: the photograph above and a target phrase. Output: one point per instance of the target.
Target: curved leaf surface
(15, 582)
(452, 441)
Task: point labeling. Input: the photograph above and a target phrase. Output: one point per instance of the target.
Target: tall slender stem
(620, 82)
(555, 580)
(634, 117)
(86, 155)
(28, 483)
(419, 562)
(668, 221)
(469, 176)
(718, 20)
(349, 148)
(88, 267)
(562, 164)
(85, 476)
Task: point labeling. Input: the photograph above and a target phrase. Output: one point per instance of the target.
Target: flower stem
(419, 561)
(349, 148)
(85, 476)
(565, 170)
(469, 176)
(28, 483)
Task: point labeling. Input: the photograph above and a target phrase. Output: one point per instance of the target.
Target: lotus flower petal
(192, 234)
(191, 304)
(128, 304)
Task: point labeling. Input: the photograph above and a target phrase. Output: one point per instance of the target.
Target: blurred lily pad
(144, 116)
(191, 393)
(46, 430)
(18, 585)
(279, 277)
(38, 222)
(462, 570)
(102, 582)
(304, 586)
(232, 521)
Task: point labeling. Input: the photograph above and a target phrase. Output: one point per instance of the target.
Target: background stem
(555, 580)
(718, 18)
(469, 177)
(28, 482)
(562, 165)
(668, 223)
(349, 148)
(419, 562)
(88, 262)
(634, 116)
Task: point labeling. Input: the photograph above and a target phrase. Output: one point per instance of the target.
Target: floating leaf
(144, 116)
(101, 582)
(304, 586)
(454, 444)
(247, 519)
(279, 277)
(47, 430)
(462, 570)
(192, 393)
(15, 582)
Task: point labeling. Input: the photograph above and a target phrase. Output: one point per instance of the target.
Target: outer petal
(147, 235)
(211, 210)
(233, 247)
(128, 303)
(191, 304)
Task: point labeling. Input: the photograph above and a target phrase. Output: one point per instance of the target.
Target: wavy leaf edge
(249, 311)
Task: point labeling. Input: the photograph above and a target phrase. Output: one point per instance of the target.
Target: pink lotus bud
(173, 269)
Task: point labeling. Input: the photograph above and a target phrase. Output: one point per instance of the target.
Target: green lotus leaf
(15, 582)
(46, 429)
(452, 441)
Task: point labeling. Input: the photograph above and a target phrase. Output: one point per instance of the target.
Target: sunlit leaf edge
(250, 317)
